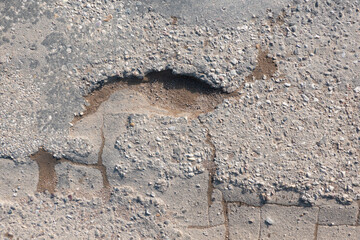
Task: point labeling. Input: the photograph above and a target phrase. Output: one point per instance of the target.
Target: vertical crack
(317, 226)
(226, 218)
(211, 167)
(358, 215)
(260, 217)
(101, 167)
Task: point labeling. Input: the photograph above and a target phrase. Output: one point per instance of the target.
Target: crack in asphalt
(226, 218)
(317, 226)
(358, 215)
(177, 94)
(211, 167)
(102, 168)
(47, 175)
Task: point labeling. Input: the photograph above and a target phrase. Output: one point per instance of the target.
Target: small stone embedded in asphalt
(73, 47)
(269, 221)
(305, 98)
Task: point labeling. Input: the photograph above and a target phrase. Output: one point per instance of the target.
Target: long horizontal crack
(204, 227)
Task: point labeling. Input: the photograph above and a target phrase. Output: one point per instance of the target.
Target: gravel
(294, 130)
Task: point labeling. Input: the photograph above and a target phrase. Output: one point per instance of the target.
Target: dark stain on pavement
(47, 175)
(266, 66)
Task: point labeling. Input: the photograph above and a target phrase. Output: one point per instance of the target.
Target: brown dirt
(176, 93)
(265, 66)
(9, 235)
(47, 174)
(174, 20)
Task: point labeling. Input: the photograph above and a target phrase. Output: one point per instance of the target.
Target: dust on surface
(266, 66)
(176, 93)
(47, 174)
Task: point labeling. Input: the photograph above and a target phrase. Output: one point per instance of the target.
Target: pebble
(269, 221)
(305, 98)
(98, 24)
(233, 72)
(234, 61)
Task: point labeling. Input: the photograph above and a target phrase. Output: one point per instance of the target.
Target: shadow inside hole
(175, 93)
(172, 81)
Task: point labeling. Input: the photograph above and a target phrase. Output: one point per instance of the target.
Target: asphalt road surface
(162, 119)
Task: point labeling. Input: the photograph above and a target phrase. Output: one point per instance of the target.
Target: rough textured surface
(83, 180)
(279, 222)
(244, 222)
(340, 232)
(333, 214)
(18, 179)
(159, 119)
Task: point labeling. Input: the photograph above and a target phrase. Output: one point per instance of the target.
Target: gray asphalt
(282, 143)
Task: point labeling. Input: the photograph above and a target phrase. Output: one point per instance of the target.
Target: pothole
(177, 94)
